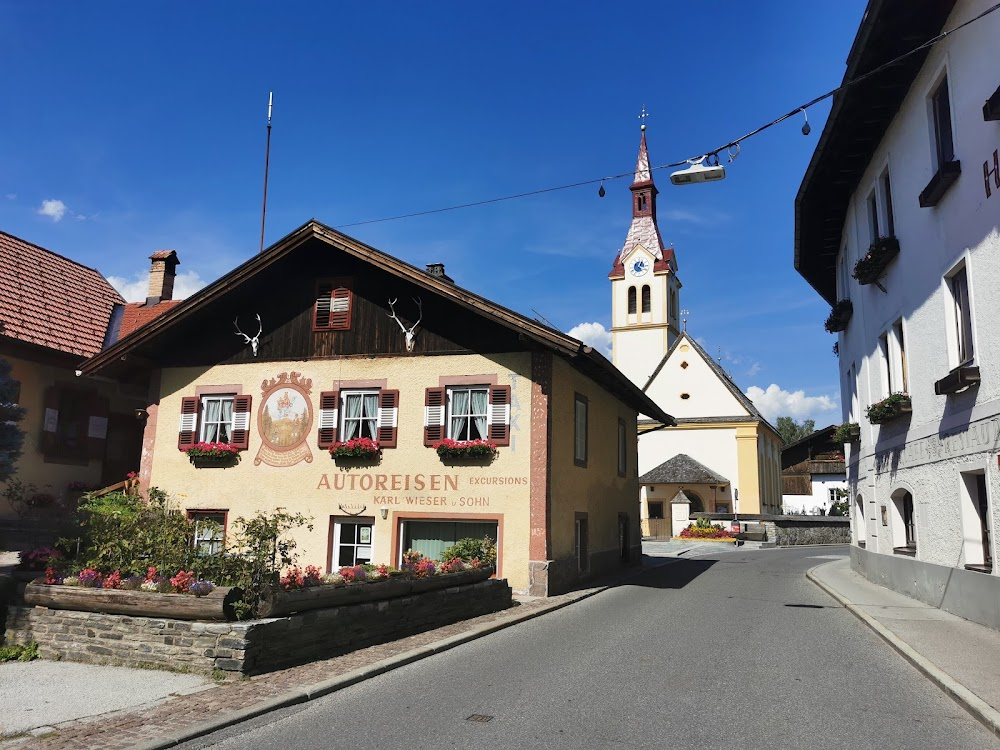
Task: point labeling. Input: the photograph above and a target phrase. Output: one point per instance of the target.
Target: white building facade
(906, 179)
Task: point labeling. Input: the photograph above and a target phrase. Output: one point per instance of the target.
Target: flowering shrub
(455, 565)
(201, 588)
(296, 578)
(332, 579)
(112, 581)
(847, 432)
(703, 532)
(211, 450)
(359, 447)
(881, 251)
(449, 448)
(417, 565)
(51, 577)
(38, 558)
(182, 581)
(354, 573)
(132, 583)
(89, 578)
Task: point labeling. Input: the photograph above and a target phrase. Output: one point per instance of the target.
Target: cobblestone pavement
(172, 716)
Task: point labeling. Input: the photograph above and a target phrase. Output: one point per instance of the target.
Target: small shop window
(431, 538)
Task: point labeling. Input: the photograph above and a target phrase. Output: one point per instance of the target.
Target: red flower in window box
(359, 447)
(211, 450)
(449, 448)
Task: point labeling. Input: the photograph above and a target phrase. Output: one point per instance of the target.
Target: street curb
(326, 687)
(982, 711)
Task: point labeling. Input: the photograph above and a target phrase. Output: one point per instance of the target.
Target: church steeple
(644, 286)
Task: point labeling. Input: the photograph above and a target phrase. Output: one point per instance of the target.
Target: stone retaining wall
(248, 647)
(787, 531)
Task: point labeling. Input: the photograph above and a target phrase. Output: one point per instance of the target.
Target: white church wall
(714, 448)
(707, 395)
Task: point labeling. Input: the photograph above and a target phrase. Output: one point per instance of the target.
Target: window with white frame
(468, 412)
(885, 189)
(217, 419)
(360, 415)
(960, 314)
(209, 530)
(872, 209)
(944, 146)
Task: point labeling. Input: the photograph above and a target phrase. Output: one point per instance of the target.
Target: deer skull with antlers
(409, 332)
(255, 341)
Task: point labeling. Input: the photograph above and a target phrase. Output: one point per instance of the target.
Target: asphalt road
(728, 650)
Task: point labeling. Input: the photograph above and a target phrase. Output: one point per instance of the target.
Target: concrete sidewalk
(961, 657)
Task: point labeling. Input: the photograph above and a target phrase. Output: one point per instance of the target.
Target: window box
(359, 451)
(957, 380)
(840, 315)
(848, 432)
(991, 110)
(213, 455)
(880, 254)
(894, 405)
(939, 184)
(466, 449)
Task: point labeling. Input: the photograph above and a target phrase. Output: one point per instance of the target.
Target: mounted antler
(409, 332)
(255, 341)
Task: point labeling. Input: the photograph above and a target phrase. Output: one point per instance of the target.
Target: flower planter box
(870, 268)
(217, 605)
(943, 179)
(840, 316)
(215, 462)
(956, 380)
(278, 602)
(728, 540)
(880, 413)
(847, 433)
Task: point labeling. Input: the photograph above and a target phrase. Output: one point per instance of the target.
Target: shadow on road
(674, 575)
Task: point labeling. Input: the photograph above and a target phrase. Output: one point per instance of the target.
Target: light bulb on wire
(806, 127)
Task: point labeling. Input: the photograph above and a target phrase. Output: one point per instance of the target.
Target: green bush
(19, 652)
(484, 550)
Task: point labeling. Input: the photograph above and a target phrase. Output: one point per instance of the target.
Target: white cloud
(54, 209)
(777, 402)
(595, 335)
(135, 289)
(754, 369)
(11, 196)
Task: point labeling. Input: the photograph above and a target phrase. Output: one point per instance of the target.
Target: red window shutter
(499, 416)
(97, 427)
(340, 309)
(329, 409)
(388, 418)
(433, 416)
(188, 433)
(241, 422)
(334, 300)
(321, 316)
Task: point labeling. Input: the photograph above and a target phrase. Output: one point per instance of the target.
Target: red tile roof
(52, 301)
(137, 314)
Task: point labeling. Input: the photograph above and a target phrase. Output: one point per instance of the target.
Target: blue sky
(132, 127)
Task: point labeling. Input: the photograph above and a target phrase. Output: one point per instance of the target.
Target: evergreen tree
(11, 435)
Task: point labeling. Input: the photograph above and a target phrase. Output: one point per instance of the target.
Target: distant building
(54, 314)
(813, 477)
(718, 428)
(897, 227)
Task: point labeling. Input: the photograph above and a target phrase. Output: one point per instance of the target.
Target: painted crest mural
(284, 420)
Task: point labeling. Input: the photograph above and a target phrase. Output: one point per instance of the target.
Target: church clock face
(639, 267)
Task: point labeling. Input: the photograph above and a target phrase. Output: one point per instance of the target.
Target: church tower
(645, 291)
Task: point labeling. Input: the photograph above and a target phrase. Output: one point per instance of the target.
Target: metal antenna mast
(267, 160)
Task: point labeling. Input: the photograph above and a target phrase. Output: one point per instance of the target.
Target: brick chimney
(161, 276)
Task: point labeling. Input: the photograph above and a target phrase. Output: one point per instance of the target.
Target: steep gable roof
(582, 357)
(723, 377)
(682, 469)
(51, 301)
(137, 314)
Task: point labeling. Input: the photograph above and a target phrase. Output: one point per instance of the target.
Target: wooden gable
(285, 296)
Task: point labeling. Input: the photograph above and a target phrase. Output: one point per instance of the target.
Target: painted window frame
(371, 420)
(203, 422)
(469, 417)
(960, 320)
(334, 304)
(194, 515)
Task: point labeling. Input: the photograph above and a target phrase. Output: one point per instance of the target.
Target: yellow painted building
(355, 343)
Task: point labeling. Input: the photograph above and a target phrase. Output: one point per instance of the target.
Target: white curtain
(352, 421)
(370, 415)
(212, 409)
(226, 420)
(479, 400)
(459, 414)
